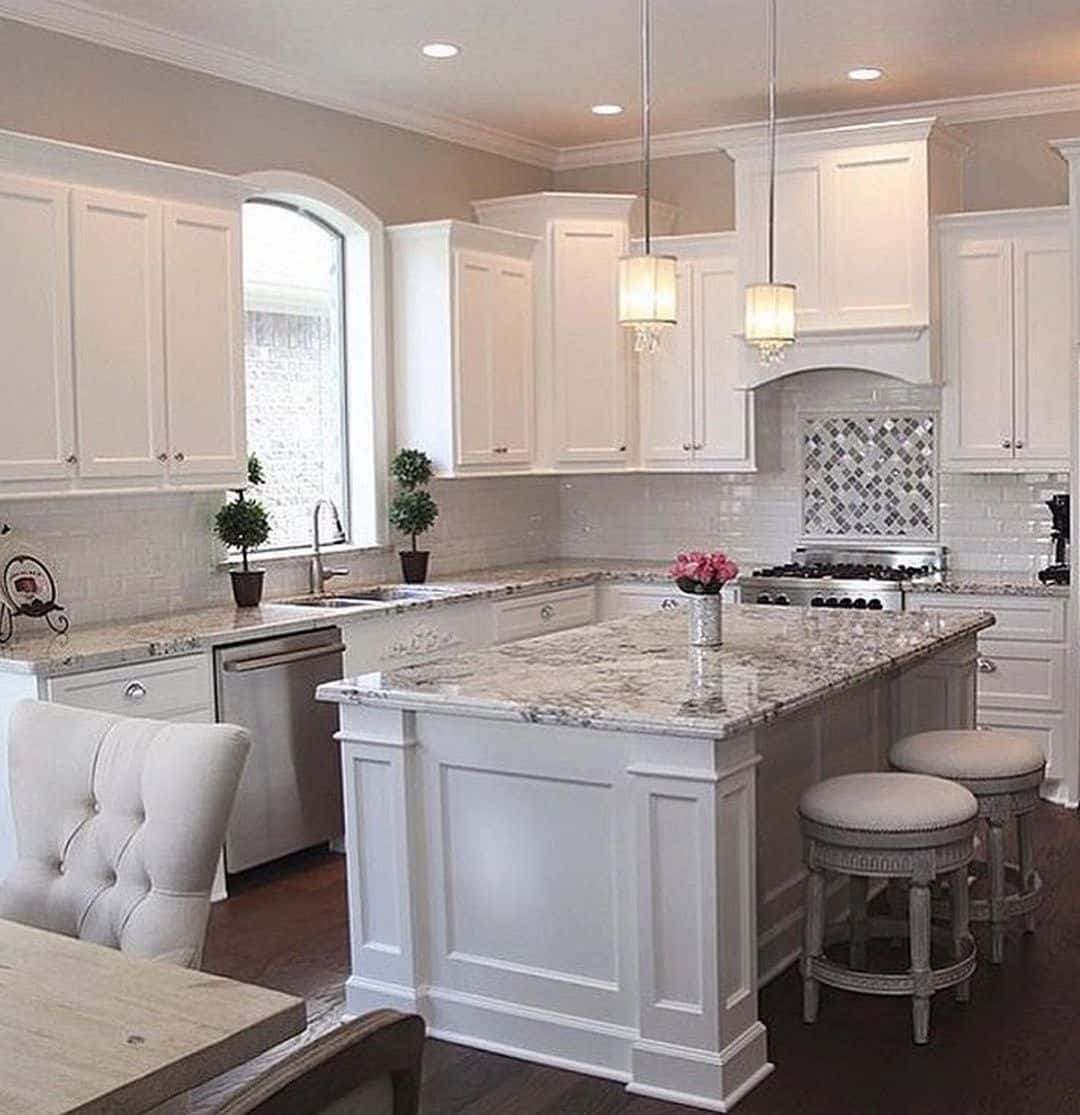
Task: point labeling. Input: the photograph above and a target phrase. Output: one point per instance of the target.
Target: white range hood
(853, 215)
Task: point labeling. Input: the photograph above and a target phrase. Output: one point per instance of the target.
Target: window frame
(366, 367)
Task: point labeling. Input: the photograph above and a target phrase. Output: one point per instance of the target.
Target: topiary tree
(411, 468)
(413, 512)
(243, 523)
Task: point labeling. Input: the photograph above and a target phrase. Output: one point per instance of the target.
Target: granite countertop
(38, 651)
(638, 673)
(989, 583)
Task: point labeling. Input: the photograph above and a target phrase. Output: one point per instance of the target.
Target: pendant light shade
(647, 297)
(770, 306)
(770, 319)
(647, 288)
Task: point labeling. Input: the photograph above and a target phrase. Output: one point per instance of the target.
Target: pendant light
(647, 295)
(770, 306)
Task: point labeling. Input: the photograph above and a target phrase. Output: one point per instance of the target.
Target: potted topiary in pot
(243, 524)
(412, 510)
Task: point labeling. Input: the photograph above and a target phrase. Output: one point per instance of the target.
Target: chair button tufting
(95, 805)
(61, 867)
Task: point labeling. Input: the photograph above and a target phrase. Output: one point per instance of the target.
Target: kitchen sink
(370, 598)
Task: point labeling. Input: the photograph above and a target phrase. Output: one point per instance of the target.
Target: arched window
(315, 356)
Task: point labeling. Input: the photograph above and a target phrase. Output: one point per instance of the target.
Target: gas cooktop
(865, 579)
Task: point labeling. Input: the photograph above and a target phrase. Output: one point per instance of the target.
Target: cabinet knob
(178, 456)
(699, 445)
(986, 666)
(136, 691)
(163, 457)
(622, 448)
(668, 603)
(547, 612)
(1019, 445)
(72, 459)
(686, 446)
(1006, 444)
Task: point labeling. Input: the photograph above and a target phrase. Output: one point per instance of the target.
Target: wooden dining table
(91, 1030)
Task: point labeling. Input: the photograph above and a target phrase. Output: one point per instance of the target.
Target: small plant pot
(414, 565)
(247, 587)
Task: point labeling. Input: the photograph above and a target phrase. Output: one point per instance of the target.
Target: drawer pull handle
(547, 612)
(136, 691)
(667, 603)
(72, 459)
(986, 666)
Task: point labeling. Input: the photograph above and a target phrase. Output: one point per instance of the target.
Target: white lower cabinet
(524, 617)
(634, 599)
(1021, 669)
(170, 689)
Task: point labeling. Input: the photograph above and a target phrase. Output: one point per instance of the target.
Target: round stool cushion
(968, 755)
(885, 802)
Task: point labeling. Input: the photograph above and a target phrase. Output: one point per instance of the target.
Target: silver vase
(706, 615)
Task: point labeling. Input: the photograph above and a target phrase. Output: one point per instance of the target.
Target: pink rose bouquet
(700, 573)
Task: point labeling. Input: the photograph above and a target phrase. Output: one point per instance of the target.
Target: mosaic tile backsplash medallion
(869, 475)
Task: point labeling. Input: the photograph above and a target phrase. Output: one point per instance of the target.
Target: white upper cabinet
(37, 426)
(121, 303)
(119, 339)
(582, 366)
(589, 357)
(853, 209)
(693, 415)
(203, 341)
(463, 345)
(1006, 340)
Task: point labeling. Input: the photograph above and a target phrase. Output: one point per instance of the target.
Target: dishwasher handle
(265, 661)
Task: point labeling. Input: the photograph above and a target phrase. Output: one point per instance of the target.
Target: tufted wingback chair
(118, 826)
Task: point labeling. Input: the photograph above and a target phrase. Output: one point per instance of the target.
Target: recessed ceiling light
(606, 110)
(866, 73)
(440, 50)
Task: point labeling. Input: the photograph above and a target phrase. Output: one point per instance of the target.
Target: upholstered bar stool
(908, 827)
(1004, 772)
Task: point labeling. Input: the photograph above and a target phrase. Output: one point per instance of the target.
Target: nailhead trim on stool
(1004, 773)
(909, 827)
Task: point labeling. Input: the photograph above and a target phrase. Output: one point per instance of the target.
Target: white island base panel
(603, 901)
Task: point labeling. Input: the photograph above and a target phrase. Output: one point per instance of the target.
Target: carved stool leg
(919, 922)
(857, 889)
(813, 940)
(961, 928)
(1025, 839)
(996, 853)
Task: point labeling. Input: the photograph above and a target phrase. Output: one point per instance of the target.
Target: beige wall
(64, 88)
(701, 186)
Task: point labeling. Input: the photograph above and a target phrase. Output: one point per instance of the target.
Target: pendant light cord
(772, 133)
(646, 114)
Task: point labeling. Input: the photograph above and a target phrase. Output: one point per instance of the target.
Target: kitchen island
(583, 849)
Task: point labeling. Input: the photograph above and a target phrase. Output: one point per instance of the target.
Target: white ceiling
(531, 68)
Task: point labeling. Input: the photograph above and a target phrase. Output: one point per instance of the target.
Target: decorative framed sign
(27, 589)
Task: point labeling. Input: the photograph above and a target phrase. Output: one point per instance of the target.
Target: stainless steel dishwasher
(290, 792)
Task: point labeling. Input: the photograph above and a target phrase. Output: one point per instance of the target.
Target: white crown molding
(71, 17)
(82, 20)
(700, 141)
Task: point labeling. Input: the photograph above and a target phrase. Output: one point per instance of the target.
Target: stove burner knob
(764, 598)
(860, 602)
(782, 600)
(817, 602)
(832, 602)
(845, 602)
(875, 606)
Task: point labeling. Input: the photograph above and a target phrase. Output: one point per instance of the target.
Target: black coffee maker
(1057, 573)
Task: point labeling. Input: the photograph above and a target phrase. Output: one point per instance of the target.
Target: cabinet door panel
(977, 402)
(666, 385)
(37, 424)
(876, 248)
(1044, 361)
(474, 293)
(119, 367)
(721, 411)
(590, 355)
(512, 365)
(204, 347)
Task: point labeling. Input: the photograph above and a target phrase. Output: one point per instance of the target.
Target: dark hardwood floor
(1014, 1050)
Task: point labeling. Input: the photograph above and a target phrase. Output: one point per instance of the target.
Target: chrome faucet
(319, 573)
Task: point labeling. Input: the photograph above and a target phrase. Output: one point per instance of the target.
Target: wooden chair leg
(857, 890)
(813, 941)
(961, 927)
(919, 924)
(996, 855)
(1025, 839)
